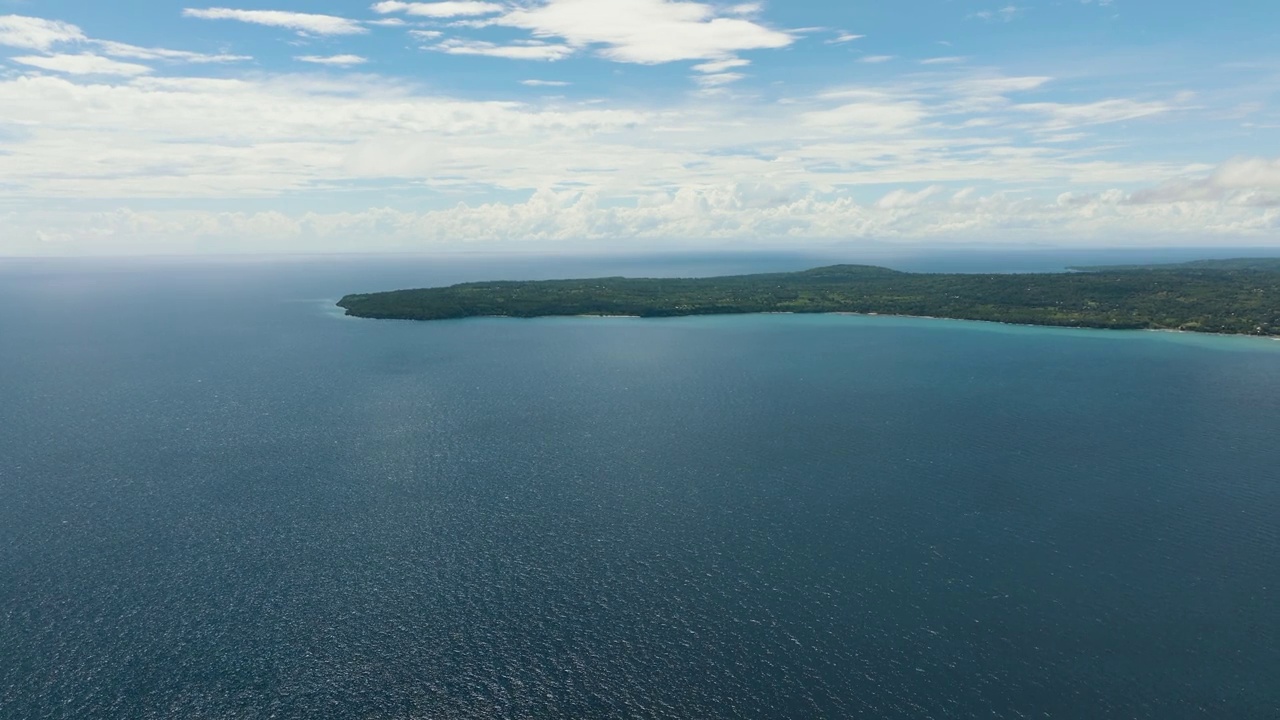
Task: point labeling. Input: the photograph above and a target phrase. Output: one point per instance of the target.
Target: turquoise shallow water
(219, 499)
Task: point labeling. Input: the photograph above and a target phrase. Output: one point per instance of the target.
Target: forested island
(1222, 296)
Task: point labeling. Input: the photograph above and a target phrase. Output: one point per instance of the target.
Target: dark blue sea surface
(222, 500)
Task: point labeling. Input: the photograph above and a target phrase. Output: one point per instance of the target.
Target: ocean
(222, 500)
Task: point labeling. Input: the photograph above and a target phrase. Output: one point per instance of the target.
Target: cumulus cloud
(1243, 181)
(863, 161)
(83, 64)
(700, 216)
(899, 199)
(308, 23)
(1249, 173)
(944, 152)
(448, 9)
(646, 31)
(274, 135)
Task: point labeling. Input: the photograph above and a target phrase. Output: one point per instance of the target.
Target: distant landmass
(1236, 296)
(1260, 264)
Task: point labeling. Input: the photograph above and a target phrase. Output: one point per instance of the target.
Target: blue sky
(288, 126)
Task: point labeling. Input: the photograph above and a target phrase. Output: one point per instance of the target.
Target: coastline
(1175, 331)
(845, 313)
(1231, 297)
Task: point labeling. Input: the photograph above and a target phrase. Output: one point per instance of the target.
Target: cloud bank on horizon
(296, 126)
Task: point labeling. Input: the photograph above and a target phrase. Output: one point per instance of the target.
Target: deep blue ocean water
(221, 500)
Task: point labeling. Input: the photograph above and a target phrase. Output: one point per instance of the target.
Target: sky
(281, 126)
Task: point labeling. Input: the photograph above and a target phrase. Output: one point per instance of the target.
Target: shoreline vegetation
(1235, 297)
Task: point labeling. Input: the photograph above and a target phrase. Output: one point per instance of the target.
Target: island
(1239, 296)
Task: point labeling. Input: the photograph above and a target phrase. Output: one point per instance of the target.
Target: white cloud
(524, 51)
(301, 22)
(453, 8)
(730, 214)
(844, 37)
(116, 49)
(1061, 116)
(39, 34)
(998, 84)
(717, 79)
(719, 66)
(945, 151)
(986, 96)
(314, 134)
(1004, 14)
(83, 64)
(872, 114)
(645, 31)
(31, 33)
(899, 199)
(881, 161)
(1244, 181)
(336, 60)
(875, 59)
(1062, 137)
(1249, 173)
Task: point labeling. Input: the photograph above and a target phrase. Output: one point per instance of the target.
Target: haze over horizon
(281, 126)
